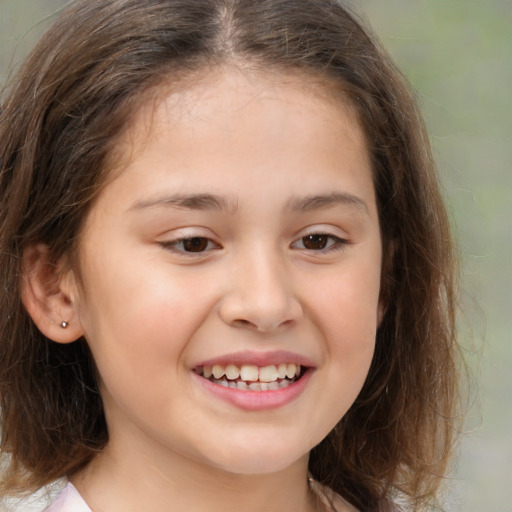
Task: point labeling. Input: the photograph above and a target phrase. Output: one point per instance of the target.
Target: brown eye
(315, 242)
(191, 245)
(196, 244)
(322, 243)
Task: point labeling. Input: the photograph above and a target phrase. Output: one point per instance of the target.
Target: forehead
(229, 118)
(200, 95)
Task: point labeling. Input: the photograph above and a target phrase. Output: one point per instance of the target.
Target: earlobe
(48, 292)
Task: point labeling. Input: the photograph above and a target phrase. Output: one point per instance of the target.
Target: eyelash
(174, 245)
(333, 242)
(204, 244)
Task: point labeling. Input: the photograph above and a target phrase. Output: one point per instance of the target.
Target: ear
(49, 292)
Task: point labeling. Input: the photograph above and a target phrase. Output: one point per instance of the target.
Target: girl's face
(241, 238)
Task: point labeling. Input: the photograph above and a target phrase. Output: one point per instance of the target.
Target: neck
(131, 479)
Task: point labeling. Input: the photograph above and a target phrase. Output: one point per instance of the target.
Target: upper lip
(258, 359)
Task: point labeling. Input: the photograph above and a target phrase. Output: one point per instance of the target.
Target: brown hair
(58, 126)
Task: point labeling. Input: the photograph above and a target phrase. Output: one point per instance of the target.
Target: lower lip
(257, 400)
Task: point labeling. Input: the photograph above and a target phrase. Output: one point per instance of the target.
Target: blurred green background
(458, 56)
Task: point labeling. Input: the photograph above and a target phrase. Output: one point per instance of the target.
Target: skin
(263, 145)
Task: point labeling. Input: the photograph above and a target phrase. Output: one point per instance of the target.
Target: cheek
(140, 317)
(130, 320)
(348, 300)
(347, 309)
(131, 296)
(344, 309)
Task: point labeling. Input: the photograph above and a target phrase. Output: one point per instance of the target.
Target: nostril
(259, 327)
(243, 323)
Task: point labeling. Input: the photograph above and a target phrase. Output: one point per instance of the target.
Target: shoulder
(69, 500)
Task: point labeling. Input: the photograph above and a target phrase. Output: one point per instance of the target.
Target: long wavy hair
(59, 123)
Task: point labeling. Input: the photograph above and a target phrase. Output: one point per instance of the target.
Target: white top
(68, 501)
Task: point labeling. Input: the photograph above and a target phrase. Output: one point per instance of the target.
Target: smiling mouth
(251, 377)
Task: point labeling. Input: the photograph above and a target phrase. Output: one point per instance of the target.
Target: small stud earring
(64, 324)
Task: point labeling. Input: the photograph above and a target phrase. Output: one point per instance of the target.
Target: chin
(259, 460)
(257, 467)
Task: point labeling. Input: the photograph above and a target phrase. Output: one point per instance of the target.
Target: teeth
(232, 372)
(281, 370)
(251, 377)
(268, 374)
(249, 372)
(290, 370)
(218, 371)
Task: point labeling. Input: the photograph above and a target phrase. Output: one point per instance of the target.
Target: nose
(260, 295)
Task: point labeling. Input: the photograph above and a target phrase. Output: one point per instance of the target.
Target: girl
(227, 275)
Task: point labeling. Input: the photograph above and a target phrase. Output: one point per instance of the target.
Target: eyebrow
(188, 202)
(220, 203)
(316, 202)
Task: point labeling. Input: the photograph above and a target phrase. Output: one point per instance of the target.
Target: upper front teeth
(252, 373)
